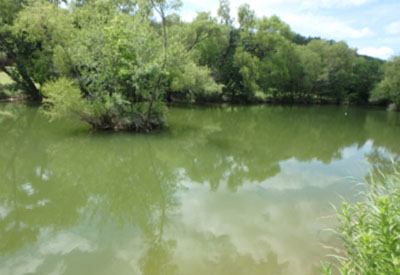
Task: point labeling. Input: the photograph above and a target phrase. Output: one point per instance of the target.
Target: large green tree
(389, 88)
(15, 49)
(112, 64)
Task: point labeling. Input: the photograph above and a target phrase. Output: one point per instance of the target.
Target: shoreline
(271, 102)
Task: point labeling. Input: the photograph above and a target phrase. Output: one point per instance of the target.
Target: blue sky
(370, 26)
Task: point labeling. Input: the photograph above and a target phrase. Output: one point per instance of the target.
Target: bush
(10, 91)
(371, 230)
(63, 98)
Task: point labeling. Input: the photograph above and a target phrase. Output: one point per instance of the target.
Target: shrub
(370, 230)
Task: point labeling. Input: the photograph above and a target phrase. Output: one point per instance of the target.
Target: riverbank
(8, 94)
(21, 97)
(277, 101)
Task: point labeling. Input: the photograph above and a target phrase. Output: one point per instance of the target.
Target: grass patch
(5, 79)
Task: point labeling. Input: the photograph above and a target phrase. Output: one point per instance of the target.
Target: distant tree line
(115, 63)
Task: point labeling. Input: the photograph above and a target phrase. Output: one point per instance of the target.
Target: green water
(223, 190)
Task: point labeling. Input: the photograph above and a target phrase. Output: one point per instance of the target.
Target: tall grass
(371, 230)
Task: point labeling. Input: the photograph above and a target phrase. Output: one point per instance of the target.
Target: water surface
(223, 190)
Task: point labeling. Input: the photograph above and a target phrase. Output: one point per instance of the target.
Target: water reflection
(223, 191)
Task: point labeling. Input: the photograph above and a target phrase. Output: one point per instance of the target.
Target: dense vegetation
(116, 63)
(389, 88)
(370, 230)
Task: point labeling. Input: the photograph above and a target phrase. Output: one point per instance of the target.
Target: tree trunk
(25, 81)
(160, 11)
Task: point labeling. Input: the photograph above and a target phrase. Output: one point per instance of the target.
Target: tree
(389, 88)
(246, 17)
(31, 63)
(113, 68)
(224, 12)
(15, 48)
(328, 68)
(121, 69)
(263, 57)
(367, 73)
(341, 60)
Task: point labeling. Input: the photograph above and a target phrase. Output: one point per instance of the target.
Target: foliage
(115, 59)
(367, 73)
(371, 230)
(389, 88)
(328, 69)
(64, 98)
(8, 88)
(246, 17)
(195, 81)
(47, 28)
(118, 65)
(264, 60)
(15, 49)
(134, 56)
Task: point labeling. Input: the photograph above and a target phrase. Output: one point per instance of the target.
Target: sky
(370, 26)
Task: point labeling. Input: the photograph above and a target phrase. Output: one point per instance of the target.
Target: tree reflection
(237, 145)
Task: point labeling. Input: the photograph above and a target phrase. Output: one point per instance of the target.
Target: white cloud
(304, 4)
(332, 3)
(325, 26)
(393, 28)
(303, 17)
(188, 16)
(381, 52)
